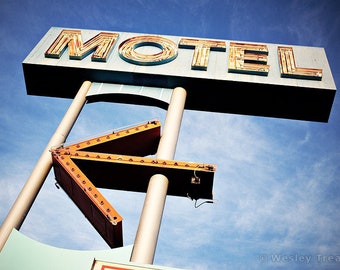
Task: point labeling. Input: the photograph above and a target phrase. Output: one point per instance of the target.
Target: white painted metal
(151, 217)
(100, 91)
(25, 199)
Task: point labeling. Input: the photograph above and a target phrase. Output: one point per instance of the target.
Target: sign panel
(102, 265)
(219, 75)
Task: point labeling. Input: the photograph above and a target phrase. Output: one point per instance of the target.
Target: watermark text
(300, 258)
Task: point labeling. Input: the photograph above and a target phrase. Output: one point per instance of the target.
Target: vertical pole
(150, 221)
(29, 192)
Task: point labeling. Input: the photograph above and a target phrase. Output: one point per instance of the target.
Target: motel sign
(243, 57)
(233, 77)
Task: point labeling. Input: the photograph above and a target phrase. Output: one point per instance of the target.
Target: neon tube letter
(102, 45)
(127, 50)
(202, 49)
(289, 69)
(248, 58)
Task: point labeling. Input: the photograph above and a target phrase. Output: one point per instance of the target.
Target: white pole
(150, 221)
(26, 197)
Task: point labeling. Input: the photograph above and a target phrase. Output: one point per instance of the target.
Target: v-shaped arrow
(117, 161)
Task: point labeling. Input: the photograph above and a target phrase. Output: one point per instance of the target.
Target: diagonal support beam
(26, 197)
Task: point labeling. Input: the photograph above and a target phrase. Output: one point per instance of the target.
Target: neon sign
(223, 76)
(243, 57)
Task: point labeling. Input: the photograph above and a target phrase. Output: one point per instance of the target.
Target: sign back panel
(272, 80)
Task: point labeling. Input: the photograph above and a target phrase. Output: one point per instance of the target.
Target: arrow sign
(117, 161)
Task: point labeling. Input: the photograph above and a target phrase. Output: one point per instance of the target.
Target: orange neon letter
(102, 45)
(289, 69)
(202, 49)
(127, 50)
(248, 58)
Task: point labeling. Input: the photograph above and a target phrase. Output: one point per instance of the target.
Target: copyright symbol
(263, 258)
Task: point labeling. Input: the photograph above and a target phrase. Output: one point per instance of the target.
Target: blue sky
(277, 181)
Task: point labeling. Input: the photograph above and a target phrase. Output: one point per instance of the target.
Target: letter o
(127, 50)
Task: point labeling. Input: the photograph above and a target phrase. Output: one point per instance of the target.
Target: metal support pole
(150, 221)
(29, 192)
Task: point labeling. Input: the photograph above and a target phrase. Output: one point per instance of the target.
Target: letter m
(101, 45)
